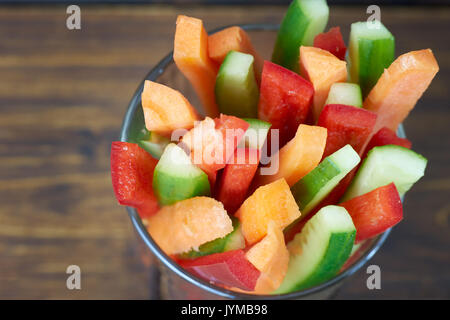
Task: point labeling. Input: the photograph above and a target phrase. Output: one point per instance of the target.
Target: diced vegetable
(271, 257)
(155, 149)
(345, 93)
(304, 19)
(343, 127)
(225, 124)
(176, 178)
(371, 50)
(232, 241)
(386, 136)
(131, 172)
(320, 250)
(256, 134)
(236, 178)
(166, 109)
(237, 127)
(229, 268)
(322, 69)
(285, 100)
(331, 41)
(212, 142)
(298, 157)
(203, 138)
(375, 212)
(188, 224)
(153, 143)
(336, 194)
(272, 202)
(317, 184)
(400, 87)
(346, 125)
(384, 165)
(236, 89)
(296, 227)
(190, 54)
(236, 39)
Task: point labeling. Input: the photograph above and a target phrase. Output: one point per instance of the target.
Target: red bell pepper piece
(375, 211)
(236, 178)
(230, 268)
(346, 125)
(132, 175)
(331, 41)
(384, 137)
(232, 129)
(285, 100)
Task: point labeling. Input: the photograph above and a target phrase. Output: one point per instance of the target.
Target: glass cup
(173, 281)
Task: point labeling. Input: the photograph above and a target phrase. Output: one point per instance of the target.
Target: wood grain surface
(63, 95)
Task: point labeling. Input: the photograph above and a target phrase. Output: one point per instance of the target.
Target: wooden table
(62, 97)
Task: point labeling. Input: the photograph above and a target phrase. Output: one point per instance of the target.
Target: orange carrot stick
(322, 69)
(166, 109)
(191, 56)
(233, 38)
(400, 86)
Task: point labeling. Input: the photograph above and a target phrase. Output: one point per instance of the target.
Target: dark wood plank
(62, 98)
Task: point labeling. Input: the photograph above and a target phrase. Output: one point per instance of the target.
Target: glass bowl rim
(185, 275)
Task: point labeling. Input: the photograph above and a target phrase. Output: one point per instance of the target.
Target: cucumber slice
(384, 165)
(256, 134)
(236, 89)
(304, 20)
(176, 178)
(371, 50)
(156, 150)
(232, 241)
(318, 183)
(320, 250)
(345, 93)
(152, 142)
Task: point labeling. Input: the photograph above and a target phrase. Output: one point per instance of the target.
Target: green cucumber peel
(304, 20)
(386, 164)
(345, 93)
(317, 184)
(319, 251)
(236, 89)
(256, 134)
(152, 142)
(175, 177)
(371, 50)
(156, 150)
